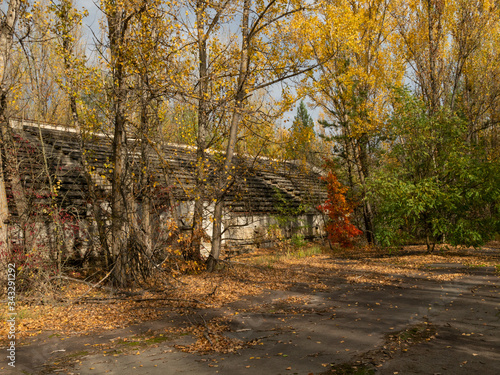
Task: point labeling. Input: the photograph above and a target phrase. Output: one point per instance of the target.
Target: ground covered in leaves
(79, 310)
(248, 274)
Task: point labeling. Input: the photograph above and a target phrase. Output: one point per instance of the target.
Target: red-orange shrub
(338, 210)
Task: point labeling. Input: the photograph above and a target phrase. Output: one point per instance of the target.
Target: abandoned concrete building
(266, 193)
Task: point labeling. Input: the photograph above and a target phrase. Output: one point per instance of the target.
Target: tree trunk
(430, 244)
(7, 27)
(4, 207)
(434, 33)
(119, 226)
(367, 218)
(361, 158)
(213, 258)
(225, 178)
(142, 230)
(197, 227)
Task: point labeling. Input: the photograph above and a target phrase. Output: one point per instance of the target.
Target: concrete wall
(247, 231)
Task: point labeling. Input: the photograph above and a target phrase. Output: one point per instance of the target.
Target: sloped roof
(261, 185)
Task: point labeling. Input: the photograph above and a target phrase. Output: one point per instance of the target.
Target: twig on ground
(93, 286)
(213, 292)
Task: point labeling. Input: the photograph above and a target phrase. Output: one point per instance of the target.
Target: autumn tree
(74, 76)
(200, 98)
(79, 81)
(141, 52)
(119, 17)
(8, 24)
(265, 57)
(352, 87)
(446, 47)
(40, 94)
(239, 98)
(474, 90)
(156, 70)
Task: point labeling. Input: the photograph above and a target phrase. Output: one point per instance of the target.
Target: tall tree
(155, 50)
(448, 52)
(352, 87)
(202, 90)
(119, 16)
(8, 158)
(142, 47)
(240, 96)
(77, 79)
(440, 42)
(265, 57)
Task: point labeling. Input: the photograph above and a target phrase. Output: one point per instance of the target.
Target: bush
(338, 210)
(434, 183)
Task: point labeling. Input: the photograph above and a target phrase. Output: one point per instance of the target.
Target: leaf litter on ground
(243, 275)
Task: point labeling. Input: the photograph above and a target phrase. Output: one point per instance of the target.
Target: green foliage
(302, 119)
(298, 240)
(434, 183)
(287, 211)
(287, 220)
(301, 135)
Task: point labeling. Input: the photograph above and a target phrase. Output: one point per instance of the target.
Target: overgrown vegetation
(412, 164)
(433, 183)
